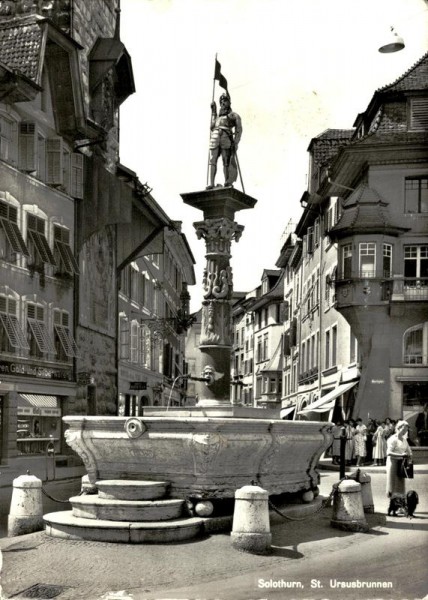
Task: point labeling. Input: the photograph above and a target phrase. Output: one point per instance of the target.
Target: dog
(407, 503)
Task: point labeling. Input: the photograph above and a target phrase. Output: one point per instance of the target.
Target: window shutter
(419, 113)
(76, 189)
(14, 145)
(310, 240)
(54, 156)
(27, 146)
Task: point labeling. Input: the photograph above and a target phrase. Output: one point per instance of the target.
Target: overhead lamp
(394, 43)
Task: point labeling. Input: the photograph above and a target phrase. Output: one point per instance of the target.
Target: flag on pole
(222, 81)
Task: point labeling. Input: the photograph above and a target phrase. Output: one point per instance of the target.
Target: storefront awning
(327, 402)
(38, 400)
(286, 411)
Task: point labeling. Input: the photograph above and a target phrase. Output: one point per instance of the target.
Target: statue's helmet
(224, 96)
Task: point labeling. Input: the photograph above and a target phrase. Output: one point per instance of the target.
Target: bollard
(251, 527)
(26, 509)
(348, 513)
(366, 490)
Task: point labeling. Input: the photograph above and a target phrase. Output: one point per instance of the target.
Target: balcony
(409, 289)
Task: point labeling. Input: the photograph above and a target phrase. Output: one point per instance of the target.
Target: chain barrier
(57, 499)
(326, 502)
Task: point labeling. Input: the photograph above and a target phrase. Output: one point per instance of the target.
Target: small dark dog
(406, 502)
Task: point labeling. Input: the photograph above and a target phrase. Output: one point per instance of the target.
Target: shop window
(416, 195)
(416, 265)
(63, 254)
(415, 345)
(37, 243)
(11, 240)
(65, 345)
(367, 259)
(12, 337)
(37, 334)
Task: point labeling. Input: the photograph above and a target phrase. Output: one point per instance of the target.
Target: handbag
(405, 469)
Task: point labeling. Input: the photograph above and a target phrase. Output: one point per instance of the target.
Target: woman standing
(379, 445)
(349, 447)
(360, 439)
(397, 448)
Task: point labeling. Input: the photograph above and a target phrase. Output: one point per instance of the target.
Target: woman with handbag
(398, 450)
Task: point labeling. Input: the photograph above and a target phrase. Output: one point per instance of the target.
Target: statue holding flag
(226, 131)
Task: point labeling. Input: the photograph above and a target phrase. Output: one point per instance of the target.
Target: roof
(324, 146)
(413, 79)
(365, 210)
(20, 43)
(275, 294)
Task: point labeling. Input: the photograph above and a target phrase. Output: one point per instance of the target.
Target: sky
(294, 69)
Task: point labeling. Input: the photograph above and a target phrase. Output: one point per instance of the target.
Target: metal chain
(324, 503)
(56, 499)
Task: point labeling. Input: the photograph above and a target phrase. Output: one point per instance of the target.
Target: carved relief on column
(216, 323)
(218, 234)
(217, 282)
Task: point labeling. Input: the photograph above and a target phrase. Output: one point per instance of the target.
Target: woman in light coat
(397, 448)
(379, 445)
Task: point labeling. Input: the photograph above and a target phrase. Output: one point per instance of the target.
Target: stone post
(26, 508)
(251, 526)
(366, 489)
(218, 229)
(348, 512)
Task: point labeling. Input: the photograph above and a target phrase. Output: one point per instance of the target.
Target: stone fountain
(202, 454)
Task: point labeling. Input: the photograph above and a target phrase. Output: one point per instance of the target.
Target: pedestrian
(371, 428)
(389, 427)
(349, 447)
(379, 445)
(421, 425)
(360, 438)
(335, 447)
(397, 449)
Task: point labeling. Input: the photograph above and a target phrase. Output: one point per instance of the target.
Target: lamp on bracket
(394, 43)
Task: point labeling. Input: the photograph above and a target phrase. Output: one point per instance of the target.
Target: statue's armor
(221, 133)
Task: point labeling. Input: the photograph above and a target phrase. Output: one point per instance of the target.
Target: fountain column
(218, 228)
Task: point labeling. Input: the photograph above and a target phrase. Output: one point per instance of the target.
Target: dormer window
(419, 114)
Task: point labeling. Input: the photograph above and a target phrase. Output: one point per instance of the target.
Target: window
(419, 113)
(416, 265)
(334, 345)
(37, 242)
(387, 260)
(346, 265)
(38, 337)
(11, 240)
(8, 143)
(65, 345)
(11, 335)
(327, 349)
(310, 240)
(63, 254)
(134, 341)
(123, 337)
(415, 345)
(265, 347)
(259, 349)
(367, 259)
(416, 195)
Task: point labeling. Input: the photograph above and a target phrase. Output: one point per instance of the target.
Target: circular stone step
(93, 507)
(129, 489)
(65, 525)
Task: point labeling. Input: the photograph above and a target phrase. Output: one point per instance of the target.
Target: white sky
(294, 69)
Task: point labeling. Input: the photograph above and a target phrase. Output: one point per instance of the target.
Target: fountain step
(65, 525)
(94, 507)
(131, 489)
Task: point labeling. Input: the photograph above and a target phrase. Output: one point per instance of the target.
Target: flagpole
(208, 165)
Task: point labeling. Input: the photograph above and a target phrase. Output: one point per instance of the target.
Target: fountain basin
(201, 457)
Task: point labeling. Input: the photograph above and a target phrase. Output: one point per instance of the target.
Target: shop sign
(138, 385)
(25, 370)
(37, 411)
(84, 378)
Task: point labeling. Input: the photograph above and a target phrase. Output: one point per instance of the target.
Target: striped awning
(38, 400)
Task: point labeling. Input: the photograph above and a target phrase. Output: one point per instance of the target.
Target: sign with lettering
(8, 367)
(138, 385)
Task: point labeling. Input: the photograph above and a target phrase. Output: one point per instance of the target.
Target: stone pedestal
(218, 229)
